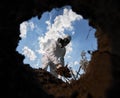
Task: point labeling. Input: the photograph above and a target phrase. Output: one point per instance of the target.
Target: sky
(58, 22)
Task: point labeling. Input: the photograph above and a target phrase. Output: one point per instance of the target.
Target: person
(54, 55)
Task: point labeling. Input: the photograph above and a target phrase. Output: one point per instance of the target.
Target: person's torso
(56, 50)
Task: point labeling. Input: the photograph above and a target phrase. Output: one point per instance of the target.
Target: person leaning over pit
(54, 55)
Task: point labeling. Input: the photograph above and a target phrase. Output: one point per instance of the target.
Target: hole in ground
(36, 35)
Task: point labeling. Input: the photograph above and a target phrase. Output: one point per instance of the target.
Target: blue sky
(58, 22)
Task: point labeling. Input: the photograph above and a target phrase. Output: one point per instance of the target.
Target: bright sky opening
(36, 33)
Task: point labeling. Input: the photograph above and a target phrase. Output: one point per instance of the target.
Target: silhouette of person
(54, 55)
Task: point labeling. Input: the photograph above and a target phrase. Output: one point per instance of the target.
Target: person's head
(63, 42)
(67, 39)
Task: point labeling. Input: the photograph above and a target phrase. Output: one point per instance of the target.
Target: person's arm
(61, 59)
(60, 62)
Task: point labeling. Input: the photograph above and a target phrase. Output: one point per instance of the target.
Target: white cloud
(56, 29)
(49, 25)
(70, 64)
(64, 21)
(31, 24)
(24, 28)
(29, 53)
(73, 33)
(68, 56)
(69, 48)
(76, 63)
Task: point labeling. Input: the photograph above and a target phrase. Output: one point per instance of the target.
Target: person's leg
(53, 70)
(57, 67)
(45, 62)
